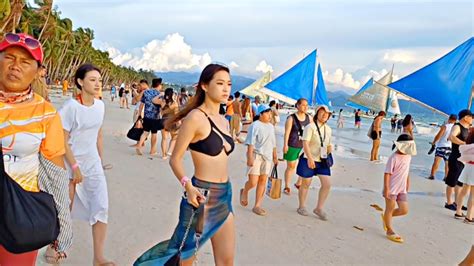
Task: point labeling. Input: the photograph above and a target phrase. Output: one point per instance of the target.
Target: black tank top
(297, 131)
(213, 144)
(462, 136)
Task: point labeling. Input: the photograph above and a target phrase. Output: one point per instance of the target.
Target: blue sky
(355, 39)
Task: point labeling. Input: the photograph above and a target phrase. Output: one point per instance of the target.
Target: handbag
(274, 184)
(329, 160)
(135, 133)
(28, 220)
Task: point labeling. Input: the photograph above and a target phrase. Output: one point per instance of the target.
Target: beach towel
(216, 210)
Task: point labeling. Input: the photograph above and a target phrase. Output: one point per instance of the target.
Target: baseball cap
(32, 45)
(463, 113)
(263, 108)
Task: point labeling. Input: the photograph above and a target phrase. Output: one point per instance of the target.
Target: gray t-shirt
(262, 137)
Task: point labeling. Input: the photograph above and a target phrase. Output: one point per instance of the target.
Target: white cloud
(401, 56)
(233, 65)
(341, 78)
(170, 54)
(264, 67)
(345, 79)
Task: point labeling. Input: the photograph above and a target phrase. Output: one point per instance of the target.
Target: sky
(355, 40)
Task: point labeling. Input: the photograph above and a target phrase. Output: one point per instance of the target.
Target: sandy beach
(144, 197)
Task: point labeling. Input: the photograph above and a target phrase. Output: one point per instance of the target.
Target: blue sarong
(216, 210)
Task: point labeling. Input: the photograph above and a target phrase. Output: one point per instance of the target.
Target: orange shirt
(25, 130)
(230, 108)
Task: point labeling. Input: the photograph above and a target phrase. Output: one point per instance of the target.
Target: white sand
(144, 199)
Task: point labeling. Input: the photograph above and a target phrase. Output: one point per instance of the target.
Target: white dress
(83, 123)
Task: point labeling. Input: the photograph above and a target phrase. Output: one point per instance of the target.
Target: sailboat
(298, 82)
(446, 85)
(374, 95)
(254, 89)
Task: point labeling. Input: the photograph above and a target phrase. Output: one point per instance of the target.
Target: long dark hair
(82, 71)
(169, 92)
(407, 120)
(207, 75)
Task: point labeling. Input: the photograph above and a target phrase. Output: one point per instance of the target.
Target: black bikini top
(213, 144)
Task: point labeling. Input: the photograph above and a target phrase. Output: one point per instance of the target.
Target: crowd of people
(70, 141)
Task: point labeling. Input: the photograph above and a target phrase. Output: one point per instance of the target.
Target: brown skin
(17, 69)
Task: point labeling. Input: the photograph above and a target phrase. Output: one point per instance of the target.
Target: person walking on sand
(459, 133)
(396, 184)
(261, 157)
(275, 118)
(170, 109)
(82, 123)
(151, 110)
(292, 141)
(206, 207)
(375, 133)
(317, 147)
(443, 147)
(467, 178)
(236, 118)
(32, 143)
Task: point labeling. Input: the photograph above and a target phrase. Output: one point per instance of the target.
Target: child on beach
(397, 183)
(261, 150)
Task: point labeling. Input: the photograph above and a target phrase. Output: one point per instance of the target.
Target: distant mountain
(187, 79)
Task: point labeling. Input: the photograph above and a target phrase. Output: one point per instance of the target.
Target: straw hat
(405, 144)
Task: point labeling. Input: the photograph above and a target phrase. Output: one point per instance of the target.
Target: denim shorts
(304, 171)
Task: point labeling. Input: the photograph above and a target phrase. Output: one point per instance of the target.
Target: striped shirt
(27, 129)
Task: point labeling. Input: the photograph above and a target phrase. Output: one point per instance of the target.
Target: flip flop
(395, 238)
(297, 186)
(286, 191)
(383, 222)
(107, 166)
(243, 202)
(376, 207)
(259, 211)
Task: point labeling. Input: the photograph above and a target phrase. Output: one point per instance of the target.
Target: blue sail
(321, 95)
(297, 82)
(444, 85)
(367, 85)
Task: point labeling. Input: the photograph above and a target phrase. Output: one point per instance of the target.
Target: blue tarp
(445, 84)
(321, 95)
(298, 81)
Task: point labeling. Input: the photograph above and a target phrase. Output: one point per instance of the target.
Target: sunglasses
(15, 38)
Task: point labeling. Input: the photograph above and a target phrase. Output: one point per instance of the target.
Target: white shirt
(262, 137)
(310, 134)
(83, 124)
(444, 140)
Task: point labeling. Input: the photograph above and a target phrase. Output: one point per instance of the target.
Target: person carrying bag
(274, 184)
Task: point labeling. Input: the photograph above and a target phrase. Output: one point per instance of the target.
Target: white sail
(254, 89)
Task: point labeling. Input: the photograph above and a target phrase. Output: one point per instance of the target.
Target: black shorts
(374, 135)
(455, 169)
(152, 125)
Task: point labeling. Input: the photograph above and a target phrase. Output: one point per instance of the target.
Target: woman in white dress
(82, 120)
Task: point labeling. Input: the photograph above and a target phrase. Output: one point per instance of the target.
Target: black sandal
(468, 221)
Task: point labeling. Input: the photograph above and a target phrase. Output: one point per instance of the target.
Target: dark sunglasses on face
(15, 38)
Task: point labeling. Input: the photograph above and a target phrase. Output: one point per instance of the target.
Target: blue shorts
(304, 171)
(443, 152)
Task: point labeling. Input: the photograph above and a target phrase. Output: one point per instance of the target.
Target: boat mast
(469, 104)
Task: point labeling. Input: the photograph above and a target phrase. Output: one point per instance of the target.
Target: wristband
(75, 166)
(184, 180)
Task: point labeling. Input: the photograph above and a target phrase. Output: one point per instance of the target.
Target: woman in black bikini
(206, 133)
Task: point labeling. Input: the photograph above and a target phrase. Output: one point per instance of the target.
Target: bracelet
(75, 166)
(184, 180)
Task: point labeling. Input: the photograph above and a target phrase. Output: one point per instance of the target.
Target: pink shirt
(398, 165)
